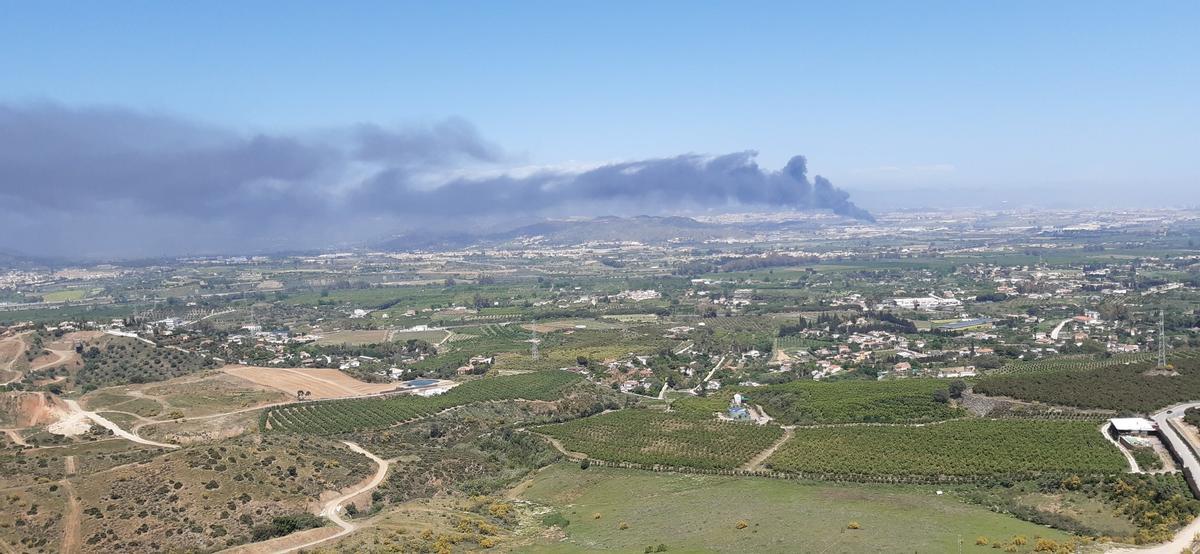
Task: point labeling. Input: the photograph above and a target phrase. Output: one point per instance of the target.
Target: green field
(700, 513)
(957, 448)
(857, 401)
(65, 295)
(648, 437)
(1134, 387)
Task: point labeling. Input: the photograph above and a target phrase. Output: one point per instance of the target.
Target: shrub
(1045, 545)
(555, 519)
(853, 525)
(286, 525)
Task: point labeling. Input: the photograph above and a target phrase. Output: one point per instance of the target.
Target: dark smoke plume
(115, 182)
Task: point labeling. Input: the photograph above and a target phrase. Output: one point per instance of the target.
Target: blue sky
(877, 95)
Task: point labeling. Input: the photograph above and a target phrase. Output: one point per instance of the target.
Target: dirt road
(1166, 420)
(74, 422)
(15, 436)
(333, 508)
(72, 520)
(756, 462)
(720, 362)
(58, 357)
(559, 447)
(1133, 465)
(11, 349)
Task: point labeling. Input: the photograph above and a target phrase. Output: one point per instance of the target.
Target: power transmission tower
(1162, 340)
(533, 349)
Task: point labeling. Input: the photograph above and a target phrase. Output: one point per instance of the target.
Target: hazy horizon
(126, 133)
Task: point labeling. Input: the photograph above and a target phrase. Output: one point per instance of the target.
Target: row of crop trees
(1133, 387)
(343, 416)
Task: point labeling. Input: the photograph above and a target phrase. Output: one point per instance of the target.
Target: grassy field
(691, 513)
(65, 295)
(206, 393)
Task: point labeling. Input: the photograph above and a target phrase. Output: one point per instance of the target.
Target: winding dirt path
(60, 356)
(576, 456)
(757, 461)
(333, 508)
(78, 414)
(11, 349)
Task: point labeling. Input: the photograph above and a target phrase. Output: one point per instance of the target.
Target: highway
(1167, 420)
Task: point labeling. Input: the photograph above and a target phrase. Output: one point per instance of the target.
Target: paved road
(1057, 330)
(1166, 420)
(720, 362)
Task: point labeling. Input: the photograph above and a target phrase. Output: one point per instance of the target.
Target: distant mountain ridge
(642, 228)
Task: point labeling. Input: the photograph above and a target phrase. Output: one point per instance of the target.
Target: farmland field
(857, 401)
(961, 448)
(1124, 387)
(323, 383)
(353, 338)
(564, 324)
(65, 295)
(646, 437)
(700, 513)
(1073, 363)
(431, 336)
(342, 416)
(634, 318)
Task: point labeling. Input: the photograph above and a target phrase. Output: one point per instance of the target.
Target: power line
(1162, 340)
(534, 342)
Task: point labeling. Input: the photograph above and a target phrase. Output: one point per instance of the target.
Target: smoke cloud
(117, 182)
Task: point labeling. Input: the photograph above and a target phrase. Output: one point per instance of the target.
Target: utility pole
(533, 349)
(1162, 340)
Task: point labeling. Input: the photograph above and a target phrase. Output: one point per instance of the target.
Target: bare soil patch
(322, 383)
(30, 409)
(335, 338)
